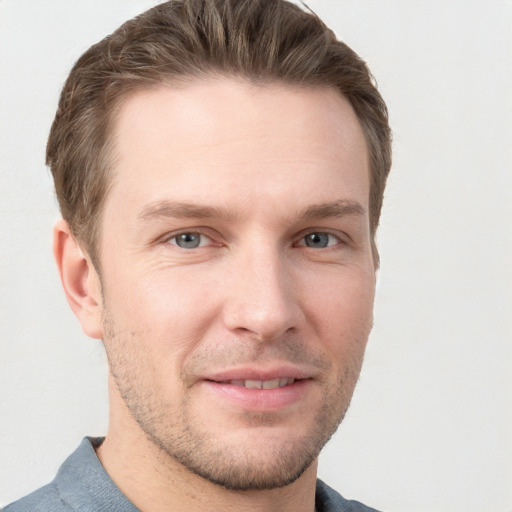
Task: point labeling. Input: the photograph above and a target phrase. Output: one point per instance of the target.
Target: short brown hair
(261, 40)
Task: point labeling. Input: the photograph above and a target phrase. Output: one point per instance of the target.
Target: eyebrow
(340, 208)
(171, 209)
(165, 209)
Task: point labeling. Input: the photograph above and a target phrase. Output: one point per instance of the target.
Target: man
(220, 167)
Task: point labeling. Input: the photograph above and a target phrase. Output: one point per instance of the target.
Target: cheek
(343, 307)
(168, 309)
(155, 323)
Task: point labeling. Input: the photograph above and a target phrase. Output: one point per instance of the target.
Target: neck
(153, 481)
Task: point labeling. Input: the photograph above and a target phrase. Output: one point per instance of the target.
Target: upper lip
(269, 372)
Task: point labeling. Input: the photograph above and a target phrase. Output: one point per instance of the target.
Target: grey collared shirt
(82, 485)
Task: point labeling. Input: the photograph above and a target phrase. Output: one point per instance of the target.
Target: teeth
(270, 384)
(256, 384)
(262, 384)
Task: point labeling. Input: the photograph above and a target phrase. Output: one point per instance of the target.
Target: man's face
(237, 274)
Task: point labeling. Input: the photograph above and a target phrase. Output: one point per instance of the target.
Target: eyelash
(302, 242)
(174, 237)
(329, 236)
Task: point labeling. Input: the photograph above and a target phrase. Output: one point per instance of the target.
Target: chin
(257, 458)
(242, 468)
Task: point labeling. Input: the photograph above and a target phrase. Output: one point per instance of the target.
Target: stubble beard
(181, 437)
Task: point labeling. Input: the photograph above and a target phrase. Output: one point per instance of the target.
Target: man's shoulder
(68, 491)
(81, 484)
(43, 500)
(328, 500)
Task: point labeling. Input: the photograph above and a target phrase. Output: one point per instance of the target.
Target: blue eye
(189, 240)
(319, 240)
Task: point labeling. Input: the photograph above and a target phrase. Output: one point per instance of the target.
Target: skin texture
(272, 184)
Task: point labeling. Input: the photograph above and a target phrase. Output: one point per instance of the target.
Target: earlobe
(79, 279)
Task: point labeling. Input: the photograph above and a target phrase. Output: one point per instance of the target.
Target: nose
(261, 296)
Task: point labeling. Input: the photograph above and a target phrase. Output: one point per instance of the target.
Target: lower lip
(260, 400)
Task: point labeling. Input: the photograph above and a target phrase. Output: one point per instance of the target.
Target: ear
(79, 279)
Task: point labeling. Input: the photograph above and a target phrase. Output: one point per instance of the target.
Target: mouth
(259, 391)
(279, 382)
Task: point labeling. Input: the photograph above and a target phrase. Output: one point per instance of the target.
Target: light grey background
(431, 421)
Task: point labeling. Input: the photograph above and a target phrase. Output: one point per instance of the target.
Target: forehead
(222, 137)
